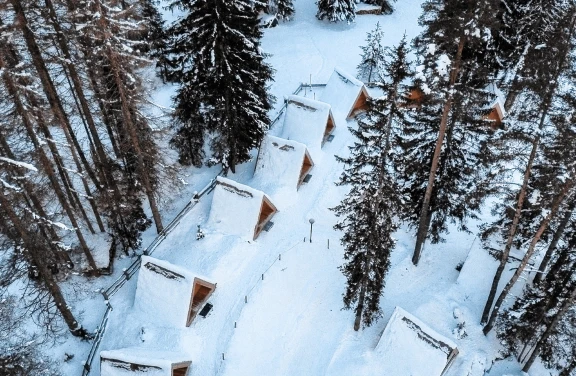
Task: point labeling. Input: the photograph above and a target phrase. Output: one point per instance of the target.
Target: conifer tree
(221, 41)
(282, 9)
(153, 42)
(538, 103)
(372, 56)
(336, 10)
(369, 210)
(444, 144)
(524, 41)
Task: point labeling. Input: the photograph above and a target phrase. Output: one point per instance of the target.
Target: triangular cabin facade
(413, 98)
(238, 209)
(201, 291)
(410, 347)
(307, 121)
(346, 94)
(134, 361)
(282, 162)
(169, 293)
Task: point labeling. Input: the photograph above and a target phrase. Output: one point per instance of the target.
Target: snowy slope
(277, 308)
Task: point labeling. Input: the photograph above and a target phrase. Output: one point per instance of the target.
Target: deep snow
(277, 308)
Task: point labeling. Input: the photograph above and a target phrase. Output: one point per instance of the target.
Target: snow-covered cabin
(238, 209)
(282, 163)
(136, 361)
(346, 94)
(170, 293)
(307, 121)
(410, 347)
(497, 112)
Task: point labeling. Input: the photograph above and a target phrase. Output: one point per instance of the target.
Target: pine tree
(369, 210)
(282, 9)
(336, 10)
(227, 82)
(524, 40)
(538, 103)
(445, 143)
(372, 55)
(153, 42)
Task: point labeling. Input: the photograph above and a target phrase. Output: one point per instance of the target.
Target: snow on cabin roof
(163, 291)
(305, 120)
(341, 92)
(156, 362)
(235, 208)
(280, 161)
(410, 347)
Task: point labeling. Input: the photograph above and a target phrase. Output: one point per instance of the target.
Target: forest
(477, 113)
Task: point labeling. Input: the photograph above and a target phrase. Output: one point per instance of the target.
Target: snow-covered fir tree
(372, 56)
(154, 39)
(336, 10)
(523, 40)
(283, 10)
(445, 143)
(222, 73)
(538, 104)
(369, 210)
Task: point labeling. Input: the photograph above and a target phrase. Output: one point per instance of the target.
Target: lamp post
(311, 223)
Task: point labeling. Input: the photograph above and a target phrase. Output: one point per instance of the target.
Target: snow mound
(164, 292)
(410, 347)
(141, 361)
(238, 209)
(281, 167)
(346, 94)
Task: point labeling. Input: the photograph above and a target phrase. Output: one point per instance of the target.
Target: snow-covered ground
(277, 305)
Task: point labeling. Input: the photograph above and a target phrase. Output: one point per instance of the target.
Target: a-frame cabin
(136, 361)
(346, 94)
(238, 209)
(308, 121)
(170, 294)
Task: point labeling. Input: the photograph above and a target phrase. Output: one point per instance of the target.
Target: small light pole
(311, 223)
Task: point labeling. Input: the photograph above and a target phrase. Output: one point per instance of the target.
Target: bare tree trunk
(550, 329)
(543, 225)
(360, 306)
(46, 275)
(36, 203)
(554, 243)
(131, 127)
(46, 164)
(62, 170)
(47, 83)
(518, 213)
(512, 232)
(423, 224)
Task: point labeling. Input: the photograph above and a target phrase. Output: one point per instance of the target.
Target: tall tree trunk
(554, 243)
(68, 184)
(132, 131)
(46, 164)
(360, 307)
(48, 84)
(528, 171)
(543, 226)
(568, 303)
(423, 224)
(46, 275)
(515, 221)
